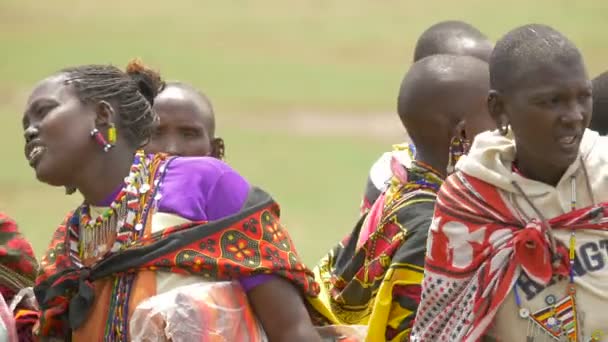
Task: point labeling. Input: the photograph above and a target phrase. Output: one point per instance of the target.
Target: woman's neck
(542, 173)
(104, 174)
(436, 160)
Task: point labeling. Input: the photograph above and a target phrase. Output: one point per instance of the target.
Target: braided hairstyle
(130, 92)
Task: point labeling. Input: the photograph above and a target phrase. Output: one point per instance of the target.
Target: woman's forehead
(181, 109)
(547, 76)
(52, 87)
(181, 117)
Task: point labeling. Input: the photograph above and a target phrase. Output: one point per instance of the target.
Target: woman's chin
(48, 177)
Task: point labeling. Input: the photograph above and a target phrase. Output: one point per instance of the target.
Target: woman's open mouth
(569, 142)
(34, 153)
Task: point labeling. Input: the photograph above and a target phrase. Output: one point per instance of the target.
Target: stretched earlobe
(459, 146)
(496, 109)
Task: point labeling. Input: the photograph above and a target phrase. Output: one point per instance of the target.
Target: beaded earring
(101, 140)
(458, 147)
(112, 134)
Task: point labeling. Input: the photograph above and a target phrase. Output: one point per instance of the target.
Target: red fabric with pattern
(18, 268)
(248, 243)
(477, 248)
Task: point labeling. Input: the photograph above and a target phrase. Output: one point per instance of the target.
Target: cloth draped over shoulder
(373, 276)
(381, 173)
(251, 242)
(477, 248)
(18, 265)
(18, 269)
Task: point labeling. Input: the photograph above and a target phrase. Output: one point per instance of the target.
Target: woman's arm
(281, 310)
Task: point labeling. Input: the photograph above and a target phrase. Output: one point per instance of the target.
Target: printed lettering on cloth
(250, 242)
(477, 248)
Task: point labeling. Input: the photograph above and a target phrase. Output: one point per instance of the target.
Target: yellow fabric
(373, 277)
(384, 311)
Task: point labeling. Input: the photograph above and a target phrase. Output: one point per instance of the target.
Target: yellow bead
(112, 134)
(572, 246)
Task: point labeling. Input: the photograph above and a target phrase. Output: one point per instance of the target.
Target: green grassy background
(263, 63)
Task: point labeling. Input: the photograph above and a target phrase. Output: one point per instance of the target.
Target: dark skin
(186, 126)
(467, 46)
(56, 121)
(554, 98)
(461, 112)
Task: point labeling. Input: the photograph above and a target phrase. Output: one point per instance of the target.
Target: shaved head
(187, 123)
(185, 95)
(439, 93)
(526, 49)
(453, 38)
(541, 93)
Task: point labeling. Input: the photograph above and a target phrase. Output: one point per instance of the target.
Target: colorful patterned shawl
(18, 265)
(250, 242)
(18, 268)
(476, 250)
(373, 277)
(405, 153)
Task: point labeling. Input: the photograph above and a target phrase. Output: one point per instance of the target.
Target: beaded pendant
(557, 321)
(118, 224)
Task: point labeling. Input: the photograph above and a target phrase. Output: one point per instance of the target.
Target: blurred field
(305, 90)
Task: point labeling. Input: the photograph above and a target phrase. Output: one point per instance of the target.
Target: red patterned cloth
(476, 250)
(250, 242)
(18, 268)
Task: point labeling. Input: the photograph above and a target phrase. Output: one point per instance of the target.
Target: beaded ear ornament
(101, 140)
(458, 148)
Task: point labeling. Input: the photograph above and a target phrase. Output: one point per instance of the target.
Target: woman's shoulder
(202, 188)
(207, 166)
(200, 172)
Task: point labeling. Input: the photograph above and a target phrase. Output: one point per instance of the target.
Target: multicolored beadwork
(424, 176)
(458, 147)
(121, 225)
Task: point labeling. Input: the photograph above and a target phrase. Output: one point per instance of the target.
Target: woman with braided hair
(148, 223)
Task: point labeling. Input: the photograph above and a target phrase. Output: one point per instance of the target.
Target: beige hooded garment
(490, 160)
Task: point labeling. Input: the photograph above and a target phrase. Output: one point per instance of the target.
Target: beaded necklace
(99, 236)
(115, 229)
(560, 319)
(424, 176)
(420, 176)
